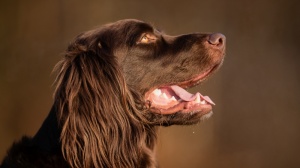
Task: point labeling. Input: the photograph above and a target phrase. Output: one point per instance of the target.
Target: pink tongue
(186, 96)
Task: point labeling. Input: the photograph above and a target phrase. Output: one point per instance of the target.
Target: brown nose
(217, 39)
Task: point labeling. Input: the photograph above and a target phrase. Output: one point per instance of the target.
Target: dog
(115, 85)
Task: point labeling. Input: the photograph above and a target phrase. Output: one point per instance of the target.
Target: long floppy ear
(97, 113)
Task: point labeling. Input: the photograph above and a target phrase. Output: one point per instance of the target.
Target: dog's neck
(47, 138)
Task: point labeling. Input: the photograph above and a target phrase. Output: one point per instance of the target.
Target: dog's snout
(217, 39)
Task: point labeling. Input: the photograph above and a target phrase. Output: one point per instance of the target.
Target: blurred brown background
(257, 118)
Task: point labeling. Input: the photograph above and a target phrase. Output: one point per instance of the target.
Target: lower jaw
(178, 118)
(184, 107)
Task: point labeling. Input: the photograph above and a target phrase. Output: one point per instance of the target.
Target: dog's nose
(217, 39)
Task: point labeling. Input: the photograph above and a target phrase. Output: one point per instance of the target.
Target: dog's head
(160, 67)
(126, 76)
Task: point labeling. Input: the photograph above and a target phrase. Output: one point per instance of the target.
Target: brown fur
(91, 93)
(100, 117)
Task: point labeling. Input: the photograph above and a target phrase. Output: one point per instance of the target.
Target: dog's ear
(96, 111)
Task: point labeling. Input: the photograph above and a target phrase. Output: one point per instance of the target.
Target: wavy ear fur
(100, 121)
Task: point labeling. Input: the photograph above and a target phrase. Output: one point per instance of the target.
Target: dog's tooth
(197, 100)
(164, 96)
(157, 92)
(203, 102)
(173, 98)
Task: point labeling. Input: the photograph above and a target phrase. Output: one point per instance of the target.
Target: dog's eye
(147, 38)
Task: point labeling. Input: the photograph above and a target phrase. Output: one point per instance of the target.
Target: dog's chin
(179, 118)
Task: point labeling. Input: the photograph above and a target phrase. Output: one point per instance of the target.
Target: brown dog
(115, 85)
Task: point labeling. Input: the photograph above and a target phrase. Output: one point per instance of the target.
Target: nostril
(217, 39)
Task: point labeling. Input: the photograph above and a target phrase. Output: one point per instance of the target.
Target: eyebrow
(147, 27)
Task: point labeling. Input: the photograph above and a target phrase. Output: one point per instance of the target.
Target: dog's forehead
(132, 25)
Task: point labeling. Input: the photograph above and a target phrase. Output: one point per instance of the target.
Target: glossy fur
(99, 117)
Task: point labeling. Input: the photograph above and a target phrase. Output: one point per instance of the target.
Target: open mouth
(174, 98)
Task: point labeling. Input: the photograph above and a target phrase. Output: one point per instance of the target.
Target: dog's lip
(195, 81)
(190, 82)
(184, 107)
(199, 78)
